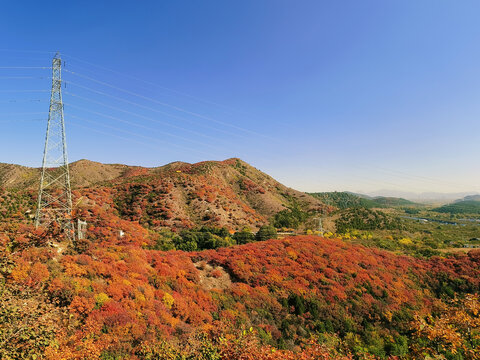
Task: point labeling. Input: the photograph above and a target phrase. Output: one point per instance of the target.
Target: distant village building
(471, 246)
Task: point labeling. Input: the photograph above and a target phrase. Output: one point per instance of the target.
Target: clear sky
(322, 95)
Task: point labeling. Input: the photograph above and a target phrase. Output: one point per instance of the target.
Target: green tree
(266, 232)
(244, 236)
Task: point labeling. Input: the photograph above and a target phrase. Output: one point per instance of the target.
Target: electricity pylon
(55, 195)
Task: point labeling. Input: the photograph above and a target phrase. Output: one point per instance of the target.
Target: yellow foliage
(388, 315)
(72, 269)
(406, 241)
(292, 254)
(140, 297)
(20, 273)
(101, 298)
(168, 300)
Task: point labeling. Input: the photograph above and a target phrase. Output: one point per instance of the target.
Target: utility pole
(81, 229)
(55, 195)
(326, 201)
(320, 225)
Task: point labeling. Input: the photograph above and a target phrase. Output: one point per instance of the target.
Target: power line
(139, 115)
(25, 113)
(150, 83)
(21, 120)
(164, 104)
(21, 100)
(144, 81)
(25, 77)
(142, 126)
(26, 67)
(23, 91)
(143, 107)
(200, 133)
(114, 135)
(140, 135)
(29, 51)
(408, 176)
(109, 134)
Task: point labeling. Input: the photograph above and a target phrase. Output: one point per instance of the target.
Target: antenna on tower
(55, 195)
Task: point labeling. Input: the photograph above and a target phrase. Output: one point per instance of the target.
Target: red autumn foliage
(123, 295)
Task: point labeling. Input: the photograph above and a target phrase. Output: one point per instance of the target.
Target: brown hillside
(17, 176)
(227, 193)
(85, 173)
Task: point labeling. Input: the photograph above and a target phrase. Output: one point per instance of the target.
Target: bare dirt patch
(212, 276)
(457, 250)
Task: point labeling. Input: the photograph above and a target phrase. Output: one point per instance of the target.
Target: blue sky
(322, 95)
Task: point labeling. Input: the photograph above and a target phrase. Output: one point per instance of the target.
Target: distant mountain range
(469, 198)
(469, 204)
(425, 197)
(460, 207)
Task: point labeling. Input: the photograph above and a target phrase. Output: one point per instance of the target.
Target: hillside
(460, 207)
(469, 198)
(16, 176)
(228, 193)
(345, 200)
(117, 294)
(83, 173)
(393, 201)
(115, 298)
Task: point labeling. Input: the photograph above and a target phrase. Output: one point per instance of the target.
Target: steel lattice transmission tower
(54, 195)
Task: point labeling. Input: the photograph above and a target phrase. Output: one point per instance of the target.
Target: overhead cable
(145, 107)
(139, 125)
(140, 135)
(149, 83)
(139, 115)
(164, 104)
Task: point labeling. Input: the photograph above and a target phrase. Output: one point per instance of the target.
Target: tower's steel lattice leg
(54, 195)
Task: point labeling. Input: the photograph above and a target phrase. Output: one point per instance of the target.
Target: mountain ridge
(423, 197)
(228, 193)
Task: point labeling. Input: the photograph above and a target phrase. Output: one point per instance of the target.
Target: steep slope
(227, 193)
